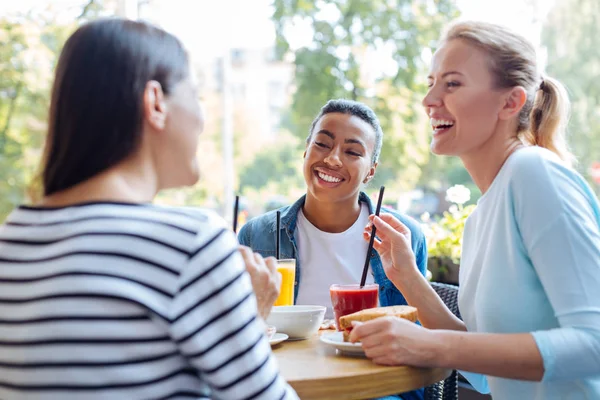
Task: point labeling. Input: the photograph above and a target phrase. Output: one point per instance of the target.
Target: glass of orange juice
(287, 269)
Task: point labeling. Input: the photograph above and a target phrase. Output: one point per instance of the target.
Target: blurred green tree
(571, 36)
(25, 64)
(370, 51)
(277, 168)
(29, 47)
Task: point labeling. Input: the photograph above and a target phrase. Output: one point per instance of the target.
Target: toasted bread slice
(405, 312)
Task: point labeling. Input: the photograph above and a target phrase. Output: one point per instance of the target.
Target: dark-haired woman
(102, 294)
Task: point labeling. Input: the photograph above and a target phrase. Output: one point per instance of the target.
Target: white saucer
(336, 339)
(278, 338)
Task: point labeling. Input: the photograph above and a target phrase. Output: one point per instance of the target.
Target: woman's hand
(393, 243)
(266, 281)
(395, 341)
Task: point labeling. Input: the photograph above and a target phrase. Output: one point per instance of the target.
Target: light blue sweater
(531, 263)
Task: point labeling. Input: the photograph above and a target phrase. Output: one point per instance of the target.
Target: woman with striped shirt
(102, 294)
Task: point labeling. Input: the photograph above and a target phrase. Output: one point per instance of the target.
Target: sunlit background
(266, 67)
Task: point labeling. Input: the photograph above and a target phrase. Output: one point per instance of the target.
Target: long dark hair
(96, 108)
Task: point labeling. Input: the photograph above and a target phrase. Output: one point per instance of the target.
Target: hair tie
(543, 87)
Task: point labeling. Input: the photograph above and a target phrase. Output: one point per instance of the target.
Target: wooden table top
(318, 371)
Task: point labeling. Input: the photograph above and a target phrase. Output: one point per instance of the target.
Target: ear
(371, 173)
(513, 103)
(155, 105)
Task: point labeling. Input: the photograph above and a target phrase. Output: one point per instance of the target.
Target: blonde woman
(530, 270)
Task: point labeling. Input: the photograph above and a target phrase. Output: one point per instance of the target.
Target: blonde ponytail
(548, 119)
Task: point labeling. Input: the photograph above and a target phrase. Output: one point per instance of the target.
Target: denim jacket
(259, 234)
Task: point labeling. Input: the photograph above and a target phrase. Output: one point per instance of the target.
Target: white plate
(278, 338)
(336, 339)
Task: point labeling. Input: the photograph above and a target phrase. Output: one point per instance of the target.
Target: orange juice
(287, 269)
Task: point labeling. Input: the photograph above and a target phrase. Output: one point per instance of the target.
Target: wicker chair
(448, 388)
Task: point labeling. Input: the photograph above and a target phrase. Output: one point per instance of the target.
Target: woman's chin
(435, 149)
(194, 177)
(181, 180)
(440, 150)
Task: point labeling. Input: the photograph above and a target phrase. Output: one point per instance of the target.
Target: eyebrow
(327, 133)
(332, 136)
(445, 74)
(355, 141)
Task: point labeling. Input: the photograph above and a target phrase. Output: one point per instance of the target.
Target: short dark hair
(357, 109)
(96, 107)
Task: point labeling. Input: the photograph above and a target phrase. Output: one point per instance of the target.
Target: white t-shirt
(327, 258)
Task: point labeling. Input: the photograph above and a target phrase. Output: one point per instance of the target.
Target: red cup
(348, 299)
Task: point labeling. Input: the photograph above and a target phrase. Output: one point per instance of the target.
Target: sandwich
(405, 312)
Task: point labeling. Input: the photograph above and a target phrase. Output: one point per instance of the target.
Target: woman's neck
(484, 163)
(130, 181)
(332, 217)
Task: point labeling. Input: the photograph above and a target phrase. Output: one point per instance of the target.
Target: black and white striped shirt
(122, 301)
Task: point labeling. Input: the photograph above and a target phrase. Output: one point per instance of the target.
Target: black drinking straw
(370, 249)
(235, 213)
(277, 234)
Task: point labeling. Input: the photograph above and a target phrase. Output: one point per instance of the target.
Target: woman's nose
(333, 158)
(432, 99)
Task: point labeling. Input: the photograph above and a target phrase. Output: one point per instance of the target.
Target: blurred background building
(266, 67)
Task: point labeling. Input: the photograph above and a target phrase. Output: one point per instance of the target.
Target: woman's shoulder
(539, 182)
(197, 216)
(116, 211)
(536, 160)
(543, 168)
(265, 222)
(410, 222)
(200, 223)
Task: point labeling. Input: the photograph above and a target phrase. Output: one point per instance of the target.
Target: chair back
(448, 388)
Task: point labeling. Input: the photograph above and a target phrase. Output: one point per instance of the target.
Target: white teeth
(435, 123)
(329, 178)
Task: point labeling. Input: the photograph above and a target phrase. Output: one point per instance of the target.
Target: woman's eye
(353, 153)
(452, 84)
(321, 144)
(430, 84)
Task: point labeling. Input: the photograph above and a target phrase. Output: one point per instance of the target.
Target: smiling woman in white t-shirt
(323, 229)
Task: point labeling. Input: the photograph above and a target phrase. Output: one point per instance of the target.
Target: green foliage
(23, 100)
(12, 88)
(29, 49)
(571, 35)
(444, 235)
(348, 36)
(277, 167)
